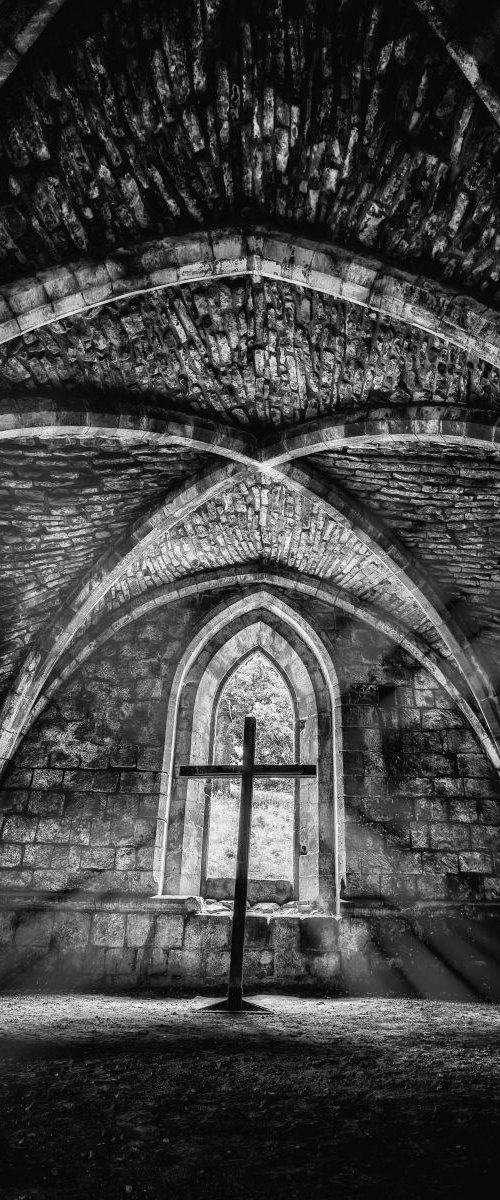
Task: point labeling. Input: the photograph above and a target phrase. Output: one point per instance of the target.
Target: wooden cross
(248, 771)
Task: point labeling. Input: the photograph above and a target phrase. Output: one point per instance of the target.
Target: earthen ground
(154, 1097)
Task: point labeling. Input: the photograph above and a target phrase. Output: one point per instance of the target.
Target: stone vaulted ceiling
(249, 322)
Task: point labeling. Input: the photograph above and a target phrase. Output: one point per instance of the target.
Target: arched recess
(57, 636)
(302, 651)
(79, 609)
(194, 745)
(304, 587)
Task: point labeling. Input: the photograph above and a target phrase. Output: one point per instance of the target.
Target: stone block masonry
(422, 803)
(197, 399)
(78, 806)
(189, 150)
(91, 828)
(129, 942)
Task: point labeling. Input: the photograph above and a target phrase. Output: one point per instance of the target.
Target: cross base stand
(243, 1006)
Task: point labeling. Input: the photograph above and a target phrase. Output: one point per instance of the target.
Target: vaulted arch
(396, 562)
(44, 656)
(249, 368)
(290, 583)
(354, 277)
(194, 743)
(288, 617)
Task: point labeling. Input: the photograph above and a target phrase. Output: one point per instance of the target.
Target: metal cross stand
(248, 772)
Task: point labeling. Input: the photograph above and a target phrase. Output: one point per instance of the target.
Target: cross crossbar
(261, 771)
(248, 772)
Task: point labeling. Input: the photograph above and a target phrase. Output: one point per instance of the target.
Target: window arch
(215, 652)
(254, 686)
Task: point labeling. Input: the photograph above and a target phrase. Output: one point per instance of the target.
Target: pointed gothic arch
(299, 726)
(259, 619)
(212, 677)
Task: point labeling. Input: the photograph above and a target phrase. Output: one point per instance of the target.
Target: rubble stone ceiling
(446, 506)
(63, 505)
(263, 524)
(253, 351)
(127, 121)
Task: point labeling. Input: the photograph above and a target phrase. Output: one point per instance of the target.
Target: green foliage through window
(255, 689)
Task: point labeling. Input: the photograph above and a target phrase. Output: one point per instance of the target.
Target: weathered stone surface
(210, 933)
(370, 948)
(260, 521)
(140, 929)
(256, 932)
(98, 857)
(256, 351)
(278, 890)
(452, 529)
(326, 968)
(34, 929)
(108, 929)
(284, 933)
(169, 932)
(281, 136)
(71, 930)
(318, 933)
(185, 967)
(20, 829)
(60, 506)
(400, 822)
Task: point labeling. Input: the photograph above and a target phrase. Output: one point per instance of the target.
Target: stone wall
(80, 800)
(133, 943)
(422, 802)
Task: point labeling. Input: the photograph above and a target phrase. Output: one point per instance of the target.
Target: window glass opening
(257, 689)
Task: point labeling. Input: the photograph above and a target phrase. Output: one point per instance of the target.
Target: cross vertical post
(248, 771)
(235, 992)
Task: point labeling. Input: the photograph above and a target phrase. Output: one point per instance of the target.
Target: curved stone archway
(330, 821)
(360, 279)
(291, 583)
(454, 425)
(194, 745)
(398, 563)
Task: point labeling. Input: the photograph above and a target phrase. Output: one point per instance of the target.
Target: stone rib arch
(262, 252)
(211, 582)
(466, 62)
(28, 27)
(241, 576)
(268, 602)
(451, 424)
(213, 669)
(51, 419)
(404, 568)
(42, 659)
(396, 560)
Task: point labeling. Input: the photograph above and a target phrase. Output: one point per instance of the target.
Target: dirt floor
(139, 1096)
